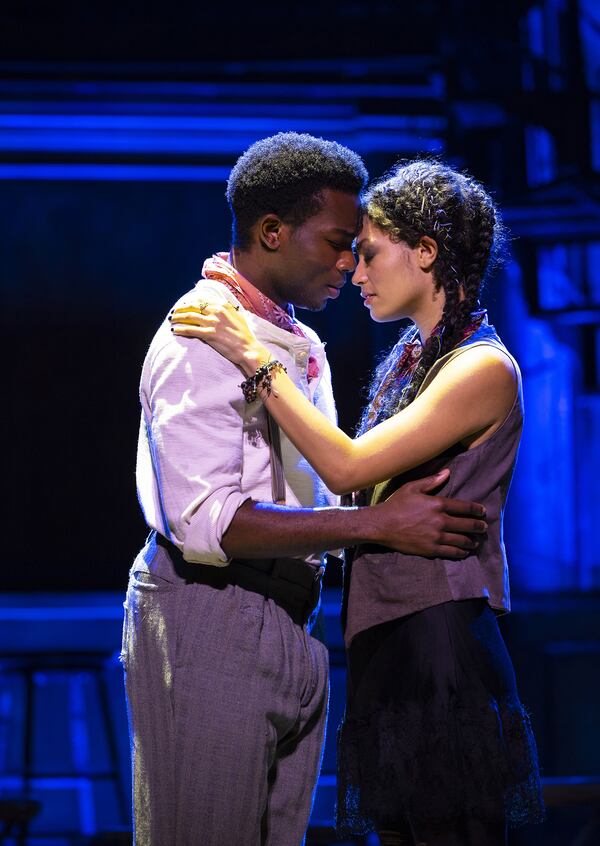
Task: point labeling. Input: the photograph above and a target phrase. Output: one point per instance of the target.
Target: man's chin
(317, 306)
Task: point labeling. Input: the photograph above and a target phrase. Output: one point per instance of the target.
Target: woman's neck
(428, 306)
(429, 317)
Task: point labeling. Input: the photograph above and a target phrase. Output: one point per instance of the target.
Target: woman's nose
(359, 276)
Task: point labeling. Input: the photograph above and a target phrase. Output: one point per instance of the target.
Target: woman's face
(391, 276)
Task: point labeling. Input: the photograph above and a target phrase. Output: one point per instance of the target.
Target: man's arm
(193, 409)
(412, 521)
(190, 452)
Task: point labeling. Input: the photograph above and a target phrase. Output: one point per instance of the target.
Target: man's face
(315, 256)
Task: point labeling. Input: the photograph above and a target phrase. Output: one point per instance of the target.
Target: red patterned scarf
(219, 267)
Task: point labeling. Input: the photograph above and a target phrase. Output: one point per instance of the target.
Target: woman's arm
(471, 396)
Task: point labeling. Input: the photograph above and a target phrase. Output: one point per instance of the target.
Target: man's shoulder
(187, 358)
(183, 369)
(165, 345)
(206, 290)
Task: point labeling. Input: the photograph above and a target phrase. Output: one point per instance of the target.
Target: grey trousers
(227, 701)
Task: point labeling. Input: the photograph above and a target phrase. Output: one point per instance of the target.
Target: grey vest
(382, 585)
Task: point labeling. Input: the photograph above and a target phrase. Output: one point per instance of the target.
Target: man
(227, 689)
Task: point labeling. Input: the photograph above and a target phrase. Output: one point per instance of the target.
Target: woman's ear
(427, 252)
(269, 230)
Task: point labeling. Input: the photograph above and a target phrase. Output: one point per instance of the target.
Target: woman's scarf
(404, 368)
(219, 267)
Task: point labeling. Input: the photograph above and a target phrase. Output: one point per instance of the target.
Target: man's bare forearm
(261, 530)
(411, 521)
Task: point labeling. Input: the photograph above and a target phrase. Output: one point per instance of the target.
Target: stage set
(118, 129)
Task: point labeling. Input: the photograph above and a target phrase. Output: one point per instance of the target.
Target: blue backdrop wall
(115, 143)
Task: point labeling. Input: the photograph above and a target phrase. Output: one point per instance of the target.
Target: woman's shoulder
(486, 355)
(480, 358)
(482, 372)
(485, 365)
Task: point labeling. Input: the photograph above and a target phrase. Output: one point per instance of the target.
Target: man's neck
(254, 271)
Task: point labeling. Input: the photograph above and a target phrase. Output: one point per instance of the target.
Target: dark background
(118, 126)
(117, 130)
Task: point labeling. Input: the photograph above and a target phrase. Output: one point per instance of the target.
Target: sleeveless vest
(382, 585)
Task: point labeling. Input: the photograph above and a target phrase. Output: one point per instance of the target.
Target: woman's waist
(386, 585)
(389, 578)
(382, 575)
(469, 480)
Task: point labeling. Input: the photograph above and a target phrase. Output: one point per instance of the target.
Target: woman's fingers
(226, 312)
(193, 317)
(222, 326)
(194, 331)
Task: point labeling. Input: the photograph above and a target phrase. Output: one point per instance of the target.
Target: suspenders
(277, 477)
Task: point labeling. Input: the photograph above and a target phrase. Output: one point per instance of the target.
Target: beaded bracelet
(261, 380)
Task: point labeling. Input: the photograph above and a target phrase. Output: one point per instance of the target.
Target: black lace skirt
(434, 731)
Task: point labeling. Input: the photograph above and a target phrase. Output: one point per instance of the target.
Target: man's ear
(270, 229)
(427, 252)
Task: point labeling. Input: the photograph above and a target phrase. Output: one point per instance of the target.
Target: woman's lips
(368, 298)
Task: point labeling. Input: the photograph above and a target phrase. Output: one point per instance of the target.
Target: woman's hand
(225, 328)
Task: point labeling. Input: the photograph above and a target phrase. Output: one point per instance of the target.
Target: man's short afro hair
(285, 175)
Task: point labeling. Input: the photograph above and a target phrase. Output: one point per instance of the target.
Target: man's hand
(417, 523)
(411, 521)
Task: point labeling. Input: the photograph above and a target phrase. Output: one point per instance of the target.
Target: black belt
(291, 583)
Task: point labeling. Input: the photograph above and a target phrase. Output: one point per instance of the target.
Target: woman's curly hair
(426, 197)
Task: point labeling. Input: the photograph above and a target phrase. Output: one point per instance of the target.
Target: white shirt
(202, 450)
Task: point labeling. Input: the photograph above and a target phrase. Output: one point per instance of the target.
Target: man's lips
(335, 289)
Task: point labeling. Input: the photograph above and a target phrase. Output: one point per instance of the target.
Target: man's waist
(292, 583)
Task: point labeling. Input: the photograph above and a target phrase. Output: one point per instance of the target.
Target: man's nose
(346, 263)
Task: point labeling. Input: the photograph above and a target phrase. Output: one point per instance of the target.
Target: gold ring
(201, 307)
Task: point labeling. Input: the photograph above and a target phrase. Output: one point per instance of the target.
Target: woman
(435, 747)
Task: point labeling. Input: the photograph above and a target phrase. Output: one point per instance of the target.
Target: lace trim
(402, 765)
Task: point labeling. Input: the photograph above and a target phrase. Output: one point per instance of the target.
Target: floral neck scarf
(403, 368)
(219, 267)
